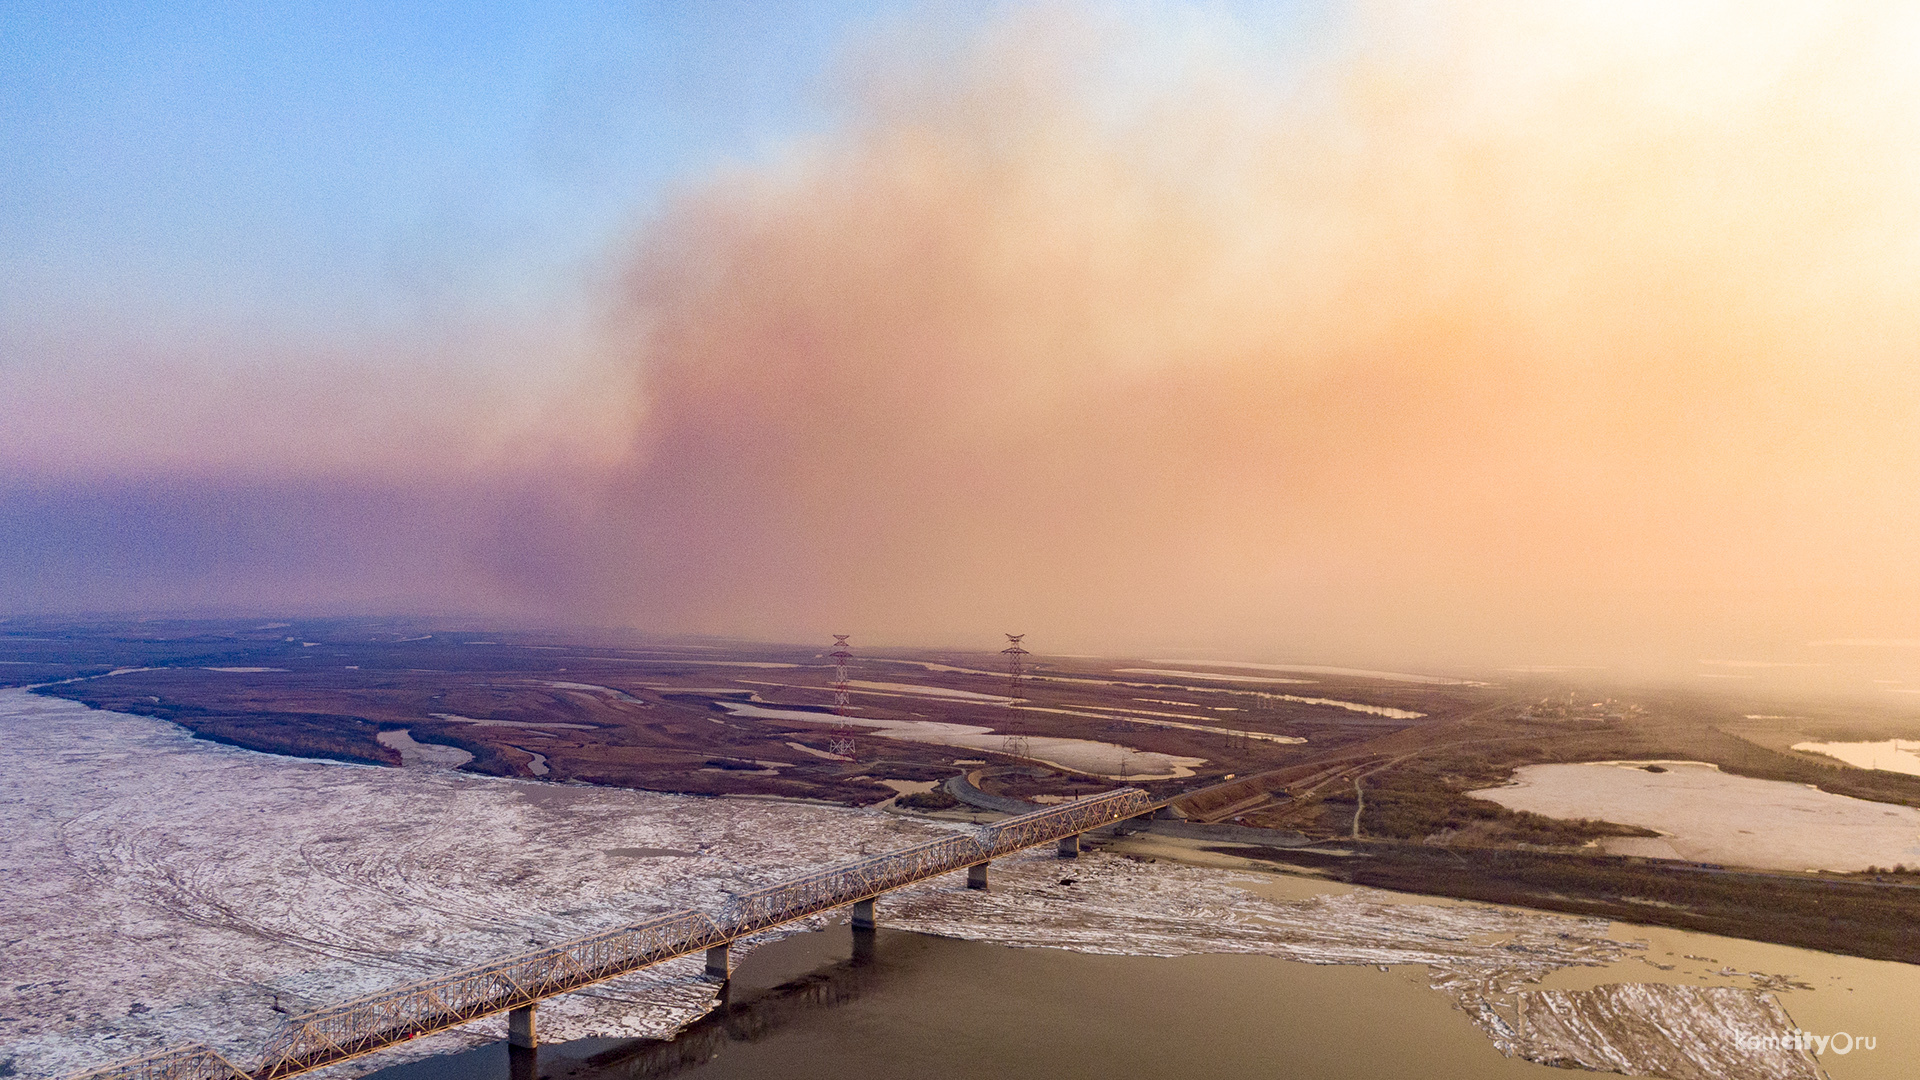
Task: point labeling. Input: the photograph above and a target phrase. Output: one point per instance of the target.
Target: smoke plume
(1483, 329)
(1492, 331)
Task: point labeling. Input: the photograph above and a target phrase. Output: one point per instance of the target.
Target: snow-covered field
(1712, 816)
(1323, 669)
(1081, 755)
(1891, 755)
(156, 890)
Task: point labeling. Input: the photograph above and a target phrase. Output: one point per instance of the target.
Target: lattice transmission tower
(842, 742)
(842, 656)
(1016, 666)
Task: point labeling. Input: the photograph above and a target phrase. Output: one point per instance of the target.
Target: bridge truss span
(1067, 819)
(193, 1061)
(366, 1024)
(824, 890)
(838, 886)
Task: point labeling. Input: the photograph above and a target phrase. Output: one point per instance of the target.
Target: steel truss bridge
(516, 983)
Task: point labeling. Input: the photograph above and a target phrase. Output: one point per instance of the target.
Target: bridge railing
(365, 1024)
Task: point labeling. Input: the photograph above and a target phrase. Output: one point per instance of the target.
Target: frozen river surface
(158, 888)
(155, 890)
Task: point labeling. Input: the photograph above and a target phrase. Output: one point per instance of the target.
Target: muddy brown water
(894, 1004)
(835, 1005)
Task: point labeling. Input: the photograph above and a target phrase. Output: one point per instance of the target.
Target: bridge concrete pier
(977, 876)
(523, 1063)
(720, 961)
(1070, 846)
(521, 1031)
(863, 914)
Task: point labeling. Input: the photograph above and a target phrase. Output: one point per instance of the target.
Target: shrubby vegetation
(339, 738)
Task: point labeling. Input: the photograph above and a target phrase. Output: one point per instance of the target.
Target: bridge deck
(366, 1024)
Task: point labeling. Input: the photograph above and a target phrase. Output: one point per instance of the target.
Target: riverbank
(1827, 913)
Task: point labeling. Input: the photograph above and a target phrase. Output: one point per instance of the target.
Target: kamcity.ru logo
(1839, 1042)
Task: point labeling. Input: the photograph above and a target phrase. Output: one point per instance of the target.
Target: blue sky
(344, 164)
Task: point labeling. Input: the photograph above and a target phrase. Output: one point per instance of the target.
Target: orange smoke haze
(1497, 332)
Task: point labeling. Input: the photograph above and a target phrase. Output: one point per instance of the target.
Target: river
(900, 1004)
(160, 889)
(835, 1006)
